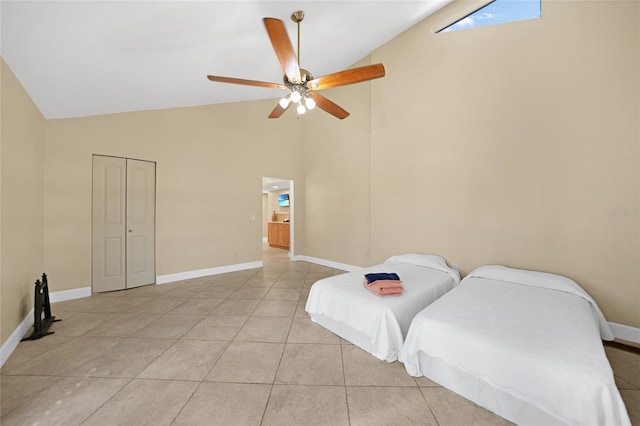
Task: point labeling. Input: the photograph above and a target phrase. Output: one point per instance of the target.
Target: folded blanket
(381, 276)
(384, 287)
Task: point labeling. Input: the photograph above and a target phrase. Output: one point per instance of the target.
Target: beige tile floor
(233, 349)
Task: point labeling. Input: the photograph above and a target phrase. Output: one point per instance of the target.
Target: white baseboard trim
(169, 278)
(625, 332)
(329, 263)
(76, 293)
(12, 342)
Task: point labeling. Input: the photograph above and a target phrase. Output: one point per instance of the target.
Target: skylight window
(498, 12)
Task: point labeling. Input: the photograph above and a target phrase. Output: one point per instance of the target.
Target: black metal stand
(41, 311)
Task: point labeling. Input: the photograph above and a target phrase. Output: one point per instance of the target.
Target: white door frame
(292, 221)
(291, 216)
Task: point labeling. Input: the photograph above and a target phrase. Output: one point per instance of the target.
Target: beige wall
(336, 177)
(22, 188)
(210, 164)
(514, 146)
(3, 333)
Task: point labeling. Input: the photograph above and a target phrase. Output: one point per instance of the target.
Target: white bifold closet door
(123, 223)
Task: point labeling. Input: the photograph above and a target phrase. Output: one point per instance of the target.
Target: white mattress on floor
(375, 323)
(528, 349)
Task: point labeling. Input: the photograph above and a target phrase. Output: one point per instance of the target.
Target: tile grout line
(225, 348)
(428, 405)
(35, 395)
(228, 343)
(273, 381)
(107, 401)
(344, 377)
(186, 402)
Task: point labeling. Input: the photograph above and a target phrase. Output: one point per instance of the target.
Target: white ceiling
(270, 184)
(81, 58)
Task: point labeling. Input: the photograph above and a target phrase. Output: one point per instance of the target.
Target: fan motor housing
(305, 76)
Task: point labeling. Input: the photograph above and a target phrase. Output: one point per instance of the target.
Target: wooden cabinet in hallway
(278, 235)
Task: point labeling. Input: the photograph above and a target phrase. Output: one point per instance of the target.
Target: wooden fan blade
(278, 110)
(342, 78)
(328, 106)
(283, 48)
(245, 82)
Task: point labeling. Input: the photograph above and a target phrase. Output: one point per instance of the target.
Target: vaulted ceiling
(89, 57)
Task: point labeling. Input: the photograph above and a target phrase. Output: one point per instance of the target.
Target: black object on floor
(41, 311)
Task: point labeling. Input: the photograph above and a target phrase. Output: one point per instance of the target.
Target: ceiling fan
(301, 84)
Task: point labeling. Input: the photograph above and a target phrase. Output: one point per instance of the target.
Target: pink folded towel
(384, 287)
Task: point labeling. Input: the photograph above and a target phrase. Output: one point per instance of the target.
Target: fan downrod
(305, 76)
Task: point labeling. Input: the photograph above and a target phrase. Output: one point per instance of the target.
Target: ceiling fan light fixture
(284, 102)
(295, 96)
(301, 109)
(309, 102)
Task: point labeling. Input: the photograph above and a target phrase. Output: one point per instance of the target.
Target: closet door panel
(109, 224)
(141, 179)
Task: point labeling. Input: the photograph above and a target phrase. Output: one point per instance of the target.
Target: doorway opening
(277, 214)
